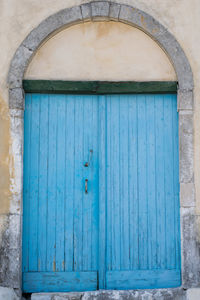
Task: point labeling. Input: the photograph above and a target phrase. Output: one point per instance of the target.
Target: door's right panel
(142, 183)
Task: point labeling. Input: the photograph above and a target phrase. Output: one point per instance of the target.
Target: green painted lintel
(98, 87)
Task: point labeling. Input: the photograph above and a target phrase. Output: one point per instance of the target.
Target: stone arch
(100, 11)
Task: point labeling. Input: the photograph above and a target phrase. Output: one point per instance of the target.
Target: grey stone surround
(10, 250)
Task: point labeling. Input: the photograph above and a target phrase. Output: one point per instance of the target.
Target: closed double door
(101, 192)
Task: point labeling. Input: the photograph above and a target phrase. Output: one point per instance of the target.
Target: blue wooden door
(101, 192)
(60, 236)
(141, 188)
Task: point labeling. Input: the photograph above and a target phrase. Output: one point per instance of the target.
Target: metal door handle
(90, 158)
(86, 186)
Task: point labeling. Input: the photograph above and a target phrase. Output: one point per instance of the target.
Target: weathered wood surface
(125, 231)
(59, 281)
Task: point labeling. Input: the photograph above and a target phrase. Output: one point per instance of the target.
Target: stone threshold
(164, 294)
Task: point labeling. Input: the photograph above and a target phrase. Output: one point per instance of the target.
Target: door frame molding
(106, 11)
(99, 87)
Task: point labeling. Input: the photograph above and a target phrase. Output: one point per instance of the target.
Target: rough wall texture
(4, 157)
(18, 20)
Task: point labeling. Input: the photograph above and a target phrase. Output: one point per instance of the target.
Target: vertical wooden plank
(169, 202)
(94, 133)
(123, 182)
(78, 185)
(115, 183)
(70, 177)
(109, 194)
(26, 185)
(176, 186)
(60, 183)
(151, 182)
(52, 180)
(102, 193)
(34, 173)
(160, 187)
(133, 182)
(142, 182)
(90, 200)
(43, 165)
(87, 171)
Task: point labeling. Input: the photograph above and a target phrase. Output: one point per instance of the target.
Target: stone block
(69, 296)
(190, 249)
(17, 125)
(15, 203)
(16, 113)
(10, 271)
(16, 98)
(86, 10)
(10, 259)
(186, 148)
(18, 66)
(16, 180)
(100, 10)
(8, 294)
(57, 296)
(41, 296)
(142, 20)
(198, 229)
(193, 294)
(52, 24)
(17, 142)
(186, 122)
(14, 231)
(10, 228)
(187, 194)
(16, 148)
(68, 17)
(114, 11)
(178, 59)
(4, 231)
(185, 100)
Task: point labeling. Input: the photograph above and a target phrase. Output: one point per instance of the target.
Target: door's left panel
(60, 221)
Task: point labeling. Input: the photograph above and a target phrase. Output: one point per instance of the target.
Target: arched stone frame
(108, 11)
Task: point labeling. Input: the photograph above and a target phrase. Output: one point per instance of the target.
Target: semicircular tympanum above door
(109, 51)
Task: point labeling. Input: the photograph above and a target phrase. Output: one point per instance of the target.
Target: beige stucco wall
(18, 18)
(101, 51)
